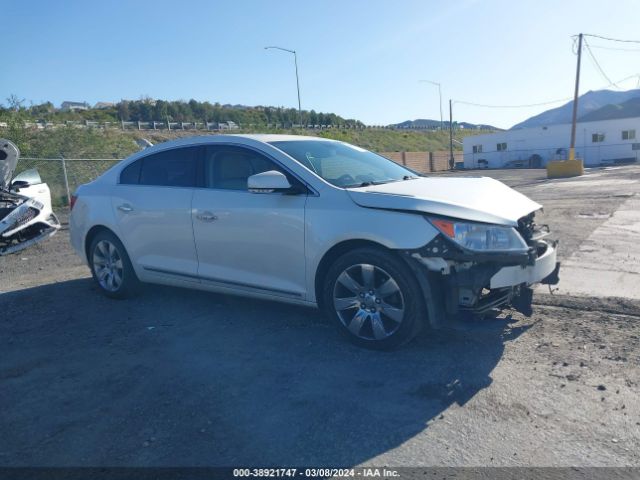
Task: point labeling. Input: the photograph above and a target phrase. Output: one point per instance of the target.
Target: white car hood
(478, 199)
(9, 155)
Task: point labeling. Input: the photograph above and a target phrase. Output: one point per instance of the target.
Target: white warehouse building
(601, 142)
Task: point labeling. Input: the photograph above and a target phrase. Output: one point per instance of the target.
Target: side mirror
(268, 182)
(16, 184)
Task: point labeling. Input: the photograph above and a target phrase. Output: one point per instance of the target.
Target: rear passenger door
(152, 207)
(248, 241)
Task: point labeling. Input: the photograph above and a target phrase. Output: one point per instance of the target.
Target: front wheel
(374, 298)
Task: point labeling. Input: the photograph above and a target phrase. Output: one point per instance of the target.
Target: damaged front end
(23, 222)
(480, 267)
(26, 217)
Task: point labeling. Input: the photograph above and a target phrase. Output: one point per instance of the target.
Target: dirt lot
(177, 377)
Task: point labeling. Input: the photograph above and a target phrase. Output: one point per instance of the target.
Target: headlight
(481, 237)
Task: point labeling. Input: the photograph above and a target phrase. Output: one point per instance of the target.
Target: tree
(123, 110)
(146, 110)
(313, 117)
(15, 103)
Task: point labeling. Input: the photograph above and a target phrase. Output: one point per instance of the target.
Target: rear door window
(172, 168)
(131, 173)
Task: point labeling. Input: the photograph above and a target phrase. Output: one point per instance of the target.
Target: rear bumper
(511, 276)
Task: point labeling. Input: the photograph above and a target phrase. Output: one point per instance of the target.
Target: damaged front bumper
(542, 268)
(23, 223)
(481, 282)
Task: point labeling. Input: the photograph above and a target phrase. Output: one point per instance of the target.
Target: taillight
(73, 201)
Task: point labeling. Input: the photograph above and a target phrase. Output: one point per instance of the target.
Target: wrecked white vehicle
(26, 217)
(315, 222)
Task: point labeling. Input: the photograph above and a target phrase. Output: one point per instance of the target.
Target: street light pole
(295, 61)
(440, 95)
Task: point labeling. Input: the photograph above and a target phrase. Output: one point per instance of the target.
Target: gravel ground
(177, 377)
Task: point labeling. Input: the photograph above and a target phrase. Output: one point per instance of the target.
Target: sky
(362, 59)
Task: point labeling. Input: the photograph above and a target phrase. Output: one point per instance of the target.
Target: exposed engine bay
(26, 217)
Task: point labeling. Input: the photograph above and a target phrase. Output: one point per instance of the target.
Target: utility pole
(572, 147)
(451, 159)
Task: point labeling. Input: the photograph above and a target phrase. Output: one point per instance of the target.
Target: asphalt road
(186, 378)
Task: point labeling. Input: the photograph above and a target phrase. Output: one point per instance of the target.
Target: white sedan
(383, 250)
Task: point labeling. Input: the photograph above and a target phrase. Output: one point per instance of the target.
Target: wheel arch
(91, 234)
(430, 285)
(334, 253)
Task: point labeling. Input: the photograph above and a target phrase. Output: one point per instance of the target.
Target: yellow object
(565, 168)
(572, 153)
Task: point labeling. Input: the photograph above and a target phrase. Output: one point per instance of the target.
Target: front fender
(391, 229)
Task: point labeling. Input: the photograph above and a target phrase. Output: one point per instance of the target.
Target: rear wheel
(374, 298)
(110, 266)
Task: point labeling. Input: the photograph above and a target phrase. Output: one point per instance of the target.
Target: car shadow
(185, 378)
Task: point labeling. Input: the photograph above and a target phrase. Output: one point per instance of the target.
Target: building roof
(68, 103)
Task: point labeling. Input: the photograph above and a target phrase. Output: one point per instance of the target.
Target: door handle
(206, 217)
(125, 208)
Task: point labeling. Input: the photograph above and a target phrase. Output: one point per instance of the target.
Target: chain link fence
(63, 175)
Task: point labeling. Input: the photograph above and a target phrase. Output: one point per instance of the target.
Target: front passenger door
(248, 241)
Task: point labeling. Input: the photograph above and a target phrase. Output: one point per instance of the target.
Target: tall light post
(295, 61)
(440, 95)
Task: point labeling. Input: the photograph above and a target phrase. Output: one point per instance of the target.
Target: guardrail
(220, 126)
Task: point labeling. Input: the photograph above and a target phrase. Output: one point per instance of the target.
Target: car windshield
(31, 176)
(344, 165)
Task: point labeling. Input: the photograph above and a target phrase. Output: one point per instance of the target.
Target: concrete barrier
(565, 168)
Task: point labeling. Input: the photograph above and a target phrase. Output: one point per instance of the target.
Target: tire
(374, 299)
(111, 268)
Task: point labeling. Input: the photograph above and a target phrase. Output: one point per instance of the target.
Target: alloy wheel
(368, 301)
(108, 266)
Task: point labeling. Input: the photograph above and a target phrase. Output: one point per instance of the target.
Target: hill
(422, 123)
(630, 108)
(588, 103)
(149, 110)
(74, 142)
(80, 138)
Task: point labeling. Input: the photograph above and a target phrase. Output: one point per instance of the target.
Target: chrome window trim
(313, 192)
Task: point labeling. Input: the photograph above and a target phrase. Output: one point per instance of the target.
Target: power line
(513, 106)
(610, 39)
(595, 61)
(462, 102)
(636, 75)
(602, 47)
(574, 47)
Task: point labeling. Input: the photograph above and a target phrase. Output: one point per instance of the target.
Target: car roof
(274, 137)
(240, 139)
(235, 138)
